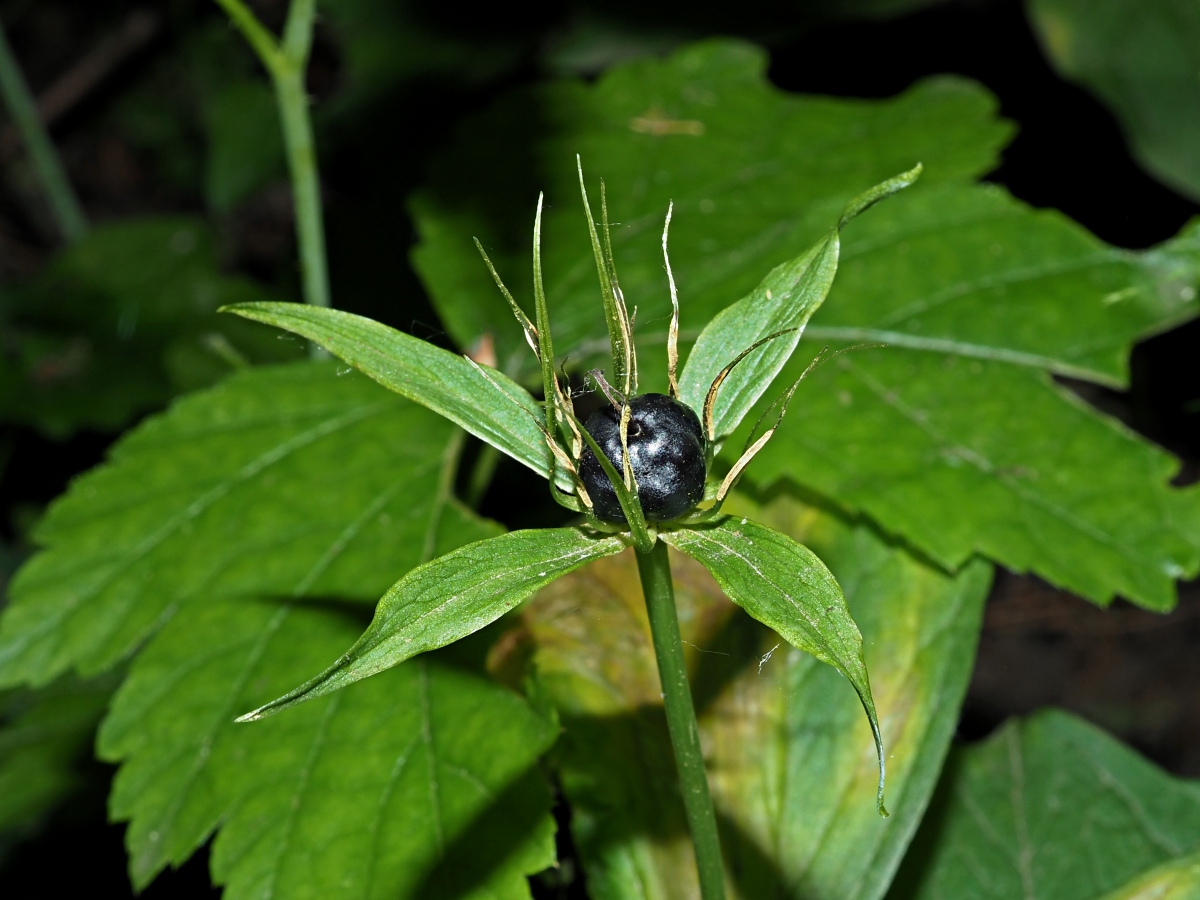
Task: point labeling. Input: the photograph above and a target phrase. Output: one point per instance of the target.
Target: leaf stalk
(654, 567)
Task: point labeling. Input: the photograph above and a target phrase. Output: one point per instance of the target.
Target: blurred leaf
(867, 9)
(785, 586)
(245, 143)
(954, 439)
(385, 43)
(1048, 807)
(484, 402)
(451, 597)
(1141, 59)
(289, 481)
(99, 335)
(44, 736)
(790, 757)
(421, 783)
(205, 116)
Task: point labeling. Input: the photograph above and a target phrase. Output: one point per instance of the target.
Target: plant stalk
(286, 61)
(21, 106)
(306, 191)
(655, 570)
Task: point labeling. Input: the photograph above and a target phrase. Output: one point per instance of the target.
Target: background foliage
(231, 542)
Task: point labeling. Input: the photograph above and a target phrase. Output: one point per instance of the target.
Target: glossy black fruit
(666, 452)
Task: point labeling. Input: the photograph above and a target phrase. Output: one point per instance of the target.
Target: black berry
(666, 453)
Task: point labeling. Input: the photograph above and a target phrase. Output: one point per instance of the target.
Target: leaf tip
(881, 191)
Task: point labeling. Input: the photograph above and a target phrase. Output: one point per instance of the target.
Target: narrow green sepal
(643, 540)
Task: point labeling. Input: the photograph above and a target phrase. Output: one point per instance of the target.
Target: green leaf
(789, 752)
(1141, 60)
(1048, 807)
(756, 175)
(588, 639)
(491, 406)
(952, 438)
(920, 627)
(962, 456)
(784, 301)
(119, 323)
(420, 783)
(1175, 880)
(969, 271)
(44, 735)
(290, 481)
(451, 597)
(786, 587)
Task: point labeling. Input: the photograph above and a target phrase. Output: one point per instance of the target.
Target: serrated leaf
(290, 481)
(941, 272)
(789, 753)
(783, 302)
(756, 175)
(1141, 60)
(784, 585)
(985, 457)
(491, 406)
(1048, 807)
(421, 783)
(451, 597)
(44, 736)
(972, 272)
(119, 323)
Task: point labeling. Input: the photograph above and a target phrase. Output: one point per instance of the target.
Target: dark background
(1128, 670)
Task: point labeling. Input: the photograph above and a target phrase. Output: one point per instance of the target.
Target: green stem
(286, 62)
(306, 191)
(21, 106)
(655, 569)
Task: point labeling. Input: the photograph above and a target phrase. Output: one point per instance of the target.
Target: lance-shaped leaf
(783, 302)
(491, 406)
(451, 597)
(1048, 807)
(786, 587)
